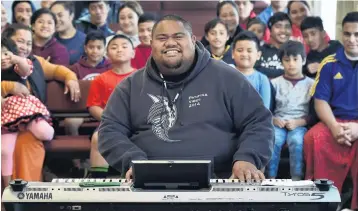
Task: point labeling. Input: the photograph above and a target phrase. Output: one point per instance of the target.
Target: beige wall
(344, 7)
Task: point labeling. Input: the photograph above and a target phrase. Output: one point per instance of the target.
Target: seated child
(291, 114)
(144, 49)
(245, 52)
(120, 51)
(19, 112)
(256, 26)
(94, 61)
(314, 36)
(87, 68)
(217, 34)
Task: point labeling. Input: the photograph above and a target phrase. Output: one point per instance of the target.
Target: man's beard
(176, 65)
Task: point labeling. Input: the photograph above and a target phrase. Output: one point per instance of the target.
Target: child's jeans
(294, 141)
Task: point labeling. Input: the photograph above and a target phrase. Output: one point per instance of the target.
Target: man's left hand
(243, 170)
(351, 130)
(73, 87)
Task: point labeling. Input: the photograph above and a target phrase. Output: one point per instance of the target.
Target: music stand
(176, 174)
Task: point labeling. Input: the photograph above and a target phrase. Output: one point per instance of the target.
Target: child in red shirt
(120, 51)
(143, 50)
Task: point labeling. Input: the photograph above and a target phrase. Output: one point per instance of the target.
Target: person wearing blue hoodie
(186, 105)
(22, 12)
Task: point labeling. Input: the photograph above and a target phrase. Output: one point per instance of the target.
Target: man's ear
(304, 61)
(193, 38)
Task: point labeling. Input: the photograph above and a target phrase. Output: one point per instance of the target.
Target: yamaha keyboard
(222, 195)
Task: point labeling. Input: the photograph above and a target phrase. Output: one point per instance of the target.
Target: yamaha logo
(170, 197)
(21, 196)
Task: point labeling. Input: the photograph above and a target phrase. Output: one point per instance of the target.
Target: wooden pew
(61, 106)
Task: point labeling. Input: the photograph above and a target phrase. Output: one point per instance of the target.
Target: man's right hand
(279, 122)
(20, 90)
(313, 67)
(129, 174)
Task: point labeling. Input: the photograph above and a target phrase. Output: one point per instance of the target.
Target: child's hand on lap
(279, 122)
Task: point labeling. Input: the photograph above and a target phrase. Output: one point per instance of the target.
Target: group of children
(106, 64)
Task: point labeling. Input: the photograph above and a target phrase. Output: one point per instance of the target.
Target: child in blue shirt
(245, 52)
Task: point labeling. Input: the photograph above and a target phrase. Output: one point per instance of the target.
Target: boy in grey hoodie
(186, 105)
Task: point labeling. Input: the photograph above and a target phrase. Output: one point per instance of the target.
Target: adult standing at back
(66, 33)
(276, 6)
(44, 44)
(98, 18)
(228, 12)
(128, 15)
(22, 12)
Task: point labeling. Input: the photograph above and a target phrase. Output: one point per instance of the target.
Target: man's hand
(243, 170)
(350, 130)
(279, 122)
(73, 87)
(313, 67)
(20, 90)
(129, 174)
(340, 135)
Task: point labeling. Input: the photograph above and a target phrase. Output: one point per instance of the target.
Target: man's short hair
(291, 2)
(278, 16)
(351, 17)
(223, 3)
(246, 35)
(312, 22)
(40, 12)
(292, 48)
(212, 24)
(95, 35)
(13, 28)
(147, 17)
(121, 36)
(177, 18)
(68, 5)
